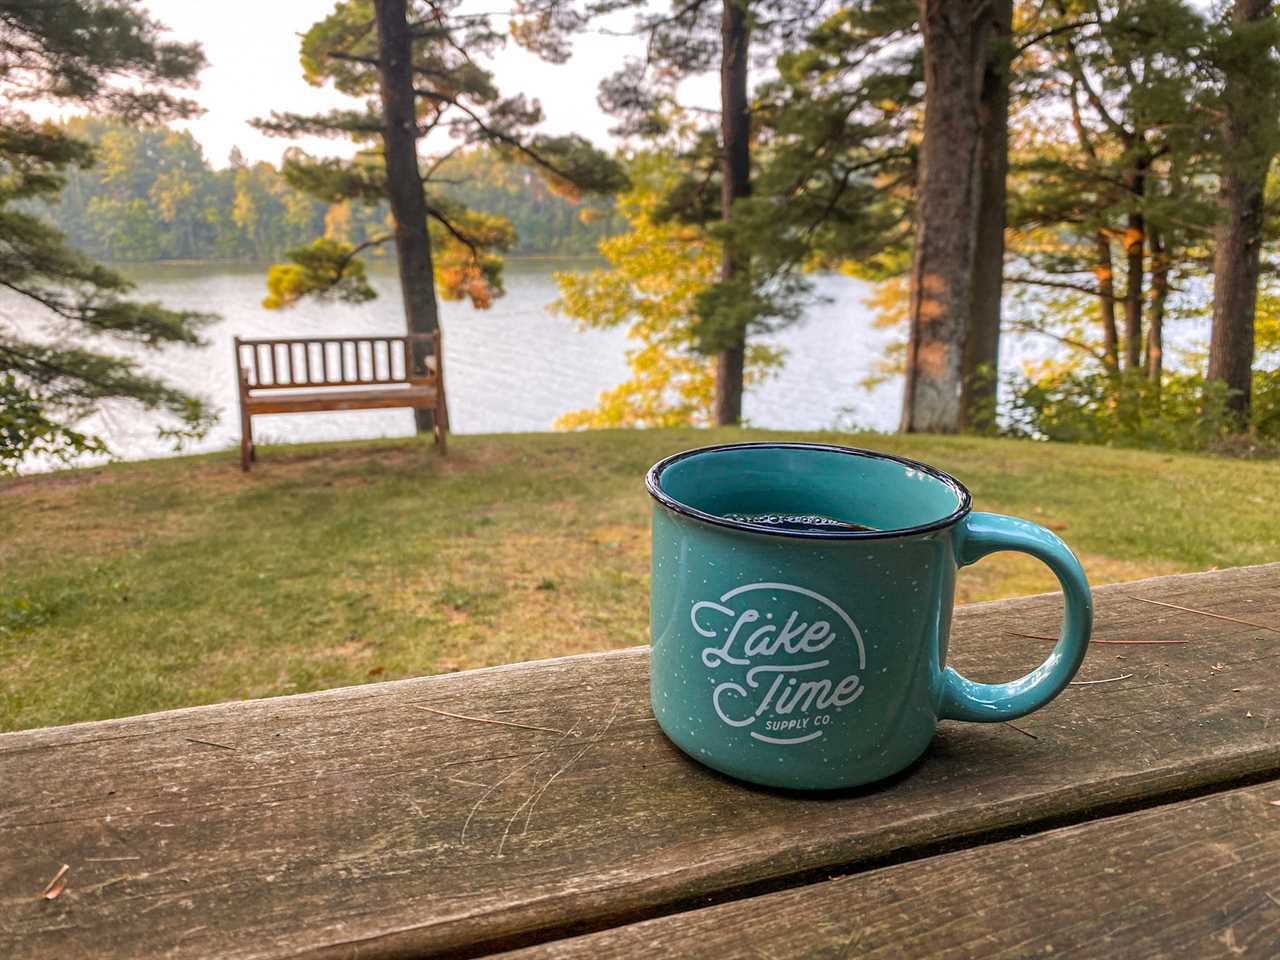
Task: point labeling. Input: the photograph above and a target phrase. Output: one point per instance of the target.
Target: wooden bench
(307, 374)
(538, 808)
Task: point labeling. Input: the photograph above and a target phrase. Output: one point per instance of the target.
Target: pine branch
(1078, 72)
(440, 17)
(1053, 32)
(1065, 340)
(494, 133)
(1077, 121)
(351, 58)
(441, 160)
(367, 245)
(1061, 285)
(335, 123)
(438, 215)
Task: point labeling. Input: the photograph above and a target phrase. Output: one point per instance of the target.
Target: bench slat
(1195, 879)
(321, 824)
(268, 389)
(248, 341)
(274, 363)
(411, 396)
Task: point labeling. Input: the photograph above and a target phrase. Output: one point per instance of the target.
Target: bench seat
(420, 397)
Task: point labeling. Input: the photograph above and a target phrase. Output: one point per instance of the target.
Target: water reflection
(515, 367)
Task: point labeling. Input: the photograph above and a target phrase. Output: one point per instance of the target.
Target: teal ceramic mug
(794, 647)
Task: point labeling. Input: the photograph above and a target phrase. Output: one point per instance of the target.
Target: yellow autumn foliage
(654, 272)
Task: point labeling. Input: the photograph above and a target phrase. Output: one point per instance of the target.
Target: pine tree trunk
(404, 184)
(955, 34)
(1105, 274)
(981, 359)
(1135, 242)
(1159, 297)
(1238, 245)
(1104, 269)
(735, 182)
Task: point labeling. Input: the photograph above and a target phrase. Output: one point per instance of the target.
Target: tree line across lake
(1085, 170)
(152, 194)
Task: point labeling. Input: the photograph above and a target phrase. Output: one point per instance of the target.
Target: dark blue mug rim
(653, 483)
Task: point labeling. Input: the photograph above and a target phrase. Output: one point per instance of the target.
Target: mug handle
(978, 535)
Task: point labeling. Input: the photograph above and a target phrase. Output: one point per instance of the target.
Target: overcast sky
(252, 49)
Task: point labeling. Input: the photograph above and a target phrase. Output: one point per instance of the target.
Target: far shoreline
(374, 260)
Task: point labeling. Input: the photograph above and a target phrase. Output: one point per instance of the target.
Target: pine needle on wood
(1206, 613)
(503, 723)
(1036, 636)
(1085, 683)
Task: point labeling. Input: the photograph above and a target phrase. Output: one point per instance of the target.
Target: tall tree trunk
(1104, 270)
(981, 358)
(1238, 246)
(404, 183)
(735, 182)
(1135, 244)
(1159, 297)
(1105, 274)
(955, 43)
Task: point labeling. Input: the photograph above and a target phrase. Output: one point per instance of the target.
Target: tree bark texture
(955, 42)
(1238, 244)
(1104, 268)
(1135, 243)
(1104, 272)
(1159, 298)
(735, 182)
(981, 358)
(404, 183)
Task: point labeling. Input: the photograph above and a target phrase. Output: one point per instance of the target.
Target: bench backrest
(293, 362)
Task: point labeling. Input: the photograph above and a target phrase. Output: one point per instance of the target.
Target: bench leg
(442, 421)
(246, 442)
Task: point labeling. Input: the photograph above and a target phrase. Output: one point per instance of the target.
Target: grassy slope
(149, 585)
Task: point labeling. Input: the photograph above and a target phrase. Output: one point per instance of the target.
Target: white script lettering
(782, 694)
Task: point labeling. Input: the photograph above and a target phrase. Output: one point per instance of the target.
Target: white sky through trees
(252, 49)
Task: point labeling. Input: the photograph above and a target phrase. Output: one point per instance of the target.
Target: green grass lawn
(143, 586)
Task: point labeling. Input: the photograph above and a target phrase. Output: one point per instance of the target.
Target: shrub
(1181, 412)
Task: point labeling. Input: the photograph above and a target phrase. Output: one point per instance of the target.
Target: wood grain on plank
(350, 821)
(1194, 879)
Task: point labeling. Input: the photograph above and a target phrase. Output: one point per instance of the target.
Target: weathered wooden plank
(267, 389)
(382, 397)
(322, 824)
(1194, 879)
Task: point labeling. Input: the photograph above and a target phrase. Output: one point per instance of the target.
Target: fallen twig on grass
(1206, 613)
(504, 723)
(1085, 683)
(1036, 636)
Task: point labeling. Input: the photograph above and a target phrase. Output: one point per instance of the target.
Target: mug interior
(891, 495)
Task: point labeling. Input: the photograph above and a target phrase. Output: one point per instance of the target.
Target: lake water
(514, 367)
